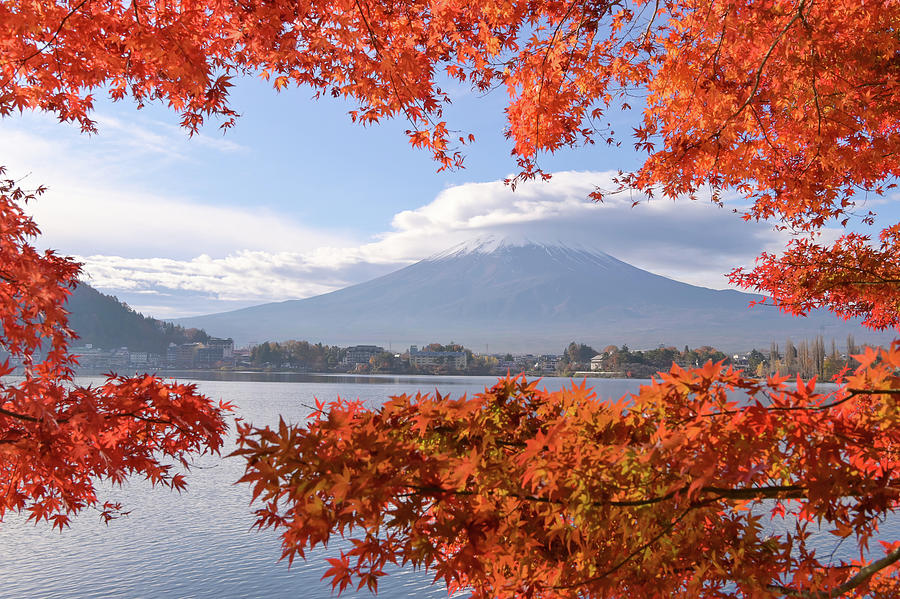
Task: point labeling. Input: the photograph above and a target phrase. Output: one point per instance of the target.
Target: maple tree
(518, 492)
(791, 106)
(57, 438)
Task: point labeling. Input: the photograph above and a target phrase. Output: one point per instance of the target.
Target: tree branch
(640, 549)
(739, 494)
(646, 36)
(55, 33)
(852, 393)
(851, 583)
(19, 416)
(762, 66)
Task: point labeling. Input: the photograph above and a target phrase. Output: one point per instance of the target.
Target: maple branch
(762, 66)
(55, 33)
(110, 512)
(762, 129)
(369, 29)
(715, 56)
(881, 282)
(575, 35)
(149, 420)
(550, 44)
(855, 392)
(851, 583)
(4, 275)
(852, 393)
(738, 494)
(112, 415)
(646, 35)
(19, 416)
(750, 493)
(859, 269)
(375, 47)
(638, 550)
(819, 117)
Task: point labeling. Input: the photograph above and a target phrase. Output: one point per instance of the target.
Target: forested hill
(103, 321)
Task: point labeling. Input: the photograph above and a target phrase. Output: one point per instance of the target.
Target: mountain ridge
(523, 295)
(103, 321)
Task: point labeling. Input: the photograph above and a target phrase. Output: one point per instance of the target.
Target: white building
(454, 359)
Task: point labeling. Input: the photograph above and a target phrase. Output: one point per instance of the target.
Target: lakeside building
(212, 354)
(242, 356)
(361, 354)
(741, 361)
(215, 352)
(515, 364)
(547, 363)
(102, 360)
(186, 355)
(454, 359)
(139, 358)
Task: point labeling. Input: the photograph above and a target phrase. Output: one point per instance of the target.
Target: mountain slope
(523, 297)
(104, 321)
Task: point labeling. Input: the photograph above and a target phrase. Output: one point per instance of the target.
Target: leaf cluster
(519, 492)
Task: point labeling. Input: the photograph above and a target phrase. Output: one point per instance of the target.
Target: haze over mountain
(520, 295)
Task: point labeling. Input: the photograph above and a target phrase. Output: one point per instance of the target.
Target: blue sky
(296, 200)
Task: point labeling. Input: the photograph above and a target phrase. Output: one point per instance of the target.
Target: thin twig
(55, 33)
(762, 66)
(637, 551)
(738, 494)
(19, 416)
(852, 393)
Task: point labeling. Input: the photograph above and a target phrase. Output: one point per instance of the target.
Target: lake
(200, 543)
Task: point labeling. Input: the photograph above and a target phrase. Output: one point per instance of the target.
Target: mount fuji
(519, 295)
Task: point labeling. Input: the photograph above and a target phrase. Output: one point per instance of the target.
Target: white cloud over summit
(690, 241)
(176, 254)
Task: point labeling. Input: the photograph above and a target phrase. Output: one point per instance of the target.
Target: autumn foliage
(518, 492)
(792, 106)
(57, 438)
(853, 277)
(787, 110)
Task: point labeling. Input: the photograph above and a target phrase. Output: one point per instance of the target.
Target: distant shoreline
(215, 374)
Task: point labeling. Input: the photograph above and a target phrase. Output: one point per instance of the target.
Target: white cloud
(160, 137)
(101, 220)
(693, 241)
(172, 255)
(690, 241)
(99, 201)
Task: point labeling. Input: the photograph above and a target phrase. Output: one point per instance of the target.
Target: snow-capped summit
(495, 242)
(520, 294)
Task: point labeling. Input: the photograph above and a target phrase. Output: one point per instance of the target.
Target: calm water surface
(200, 544)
